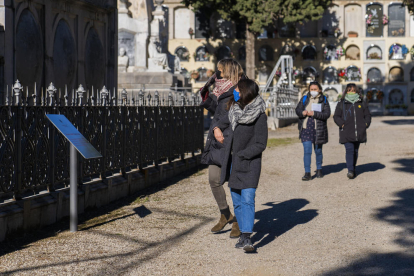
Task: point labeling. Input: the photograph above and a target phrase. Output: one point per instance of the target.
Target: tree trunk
(250, 53)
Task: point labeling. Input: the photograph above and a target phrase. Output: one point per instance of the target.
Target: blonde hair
(231, 70)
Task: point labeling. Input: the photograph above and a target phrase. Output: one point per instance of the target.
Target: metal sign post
(78, 143)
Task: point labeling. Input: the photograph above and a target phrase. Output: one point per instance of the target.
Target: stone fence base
(40, 210)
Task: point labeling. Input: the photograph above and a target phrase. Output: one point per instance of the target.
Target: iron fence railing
(135, 133)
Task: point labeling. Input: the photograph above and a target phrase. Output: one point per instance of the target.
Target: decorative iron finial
(17, 89)
(157, 98)
(80, 93)
(104, 95)
(170, 99)
(51, 90)
(124, 96)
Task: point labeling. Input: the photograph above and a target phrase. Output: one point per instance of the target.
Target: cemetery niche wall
(53, 41)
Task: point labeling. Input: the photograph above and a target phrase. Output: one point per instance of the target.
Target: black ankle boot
(307, 177)
(351, 175)
(319, 174)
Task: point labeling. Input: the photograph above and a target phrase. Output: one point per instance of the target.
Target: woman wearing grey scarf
(243, 156)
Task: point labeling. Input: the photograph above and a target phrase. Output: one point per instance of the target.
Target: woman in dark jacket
(353, 118)
(243, 156)
(225, 79)
(313, 111)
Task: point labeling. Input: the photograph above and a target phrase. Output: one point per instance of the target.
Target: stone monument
(143, 35)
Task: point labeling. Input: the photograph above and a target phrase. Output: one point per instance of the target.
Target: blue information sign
(73, 136)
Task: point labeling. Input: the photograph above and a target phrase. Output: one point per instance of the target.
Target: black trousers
(351, 156)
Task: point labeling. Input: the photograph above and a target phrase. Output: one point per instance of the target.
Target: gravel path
(329, 226)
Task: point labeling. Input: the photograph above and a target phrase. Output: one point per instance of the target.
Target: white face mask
(314, 94)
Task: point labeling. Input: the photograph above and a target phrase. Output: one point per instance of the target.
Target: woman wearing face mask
(243, 155)
(313, 111)
(353, 118)
(225, 80)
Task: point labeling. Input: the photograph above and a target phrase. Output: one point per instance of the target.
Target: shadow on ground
(360, 169)
(407, 165)
(280, 218)
(399, 122)
(400, 213)
(19, 241)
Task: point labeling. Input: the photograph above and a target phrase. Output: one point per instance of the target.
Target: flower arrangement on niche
(374, 55)
(412, 52)
(398, 32)
(370, 95)
(191, 32)
(335, 54)
(195, 74)
(398, 51)
(384, 19)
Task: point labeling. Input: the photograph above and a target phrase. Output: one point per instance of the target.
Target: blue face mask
(236, 95)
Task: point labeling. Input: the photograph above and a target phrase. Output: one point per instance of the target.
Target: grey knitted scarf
(247, 115)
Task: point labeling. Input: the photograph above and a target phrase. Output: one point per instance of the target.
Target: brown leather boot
(222, 222)
(235, 230)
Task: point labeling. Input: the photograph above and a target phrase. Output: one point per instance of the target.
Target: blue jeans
(307, 148)
(243, 203)
(351, 156)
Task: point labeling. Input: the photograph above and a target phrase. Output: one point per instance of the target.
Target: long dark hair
(350, 87)
(249, 90)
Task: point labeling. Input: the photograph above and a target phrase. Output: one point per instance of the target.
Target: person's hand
(343, 126)
(218, 135)
(310, 113)
(305, 112)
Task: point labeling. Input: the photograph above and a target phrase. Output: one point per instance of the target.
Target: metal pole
(73, 189)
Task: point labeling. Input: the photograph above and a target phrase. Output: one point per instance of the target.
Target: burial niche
(374, 20)
(330, 22)
(396, 97)
(412, 74)
(396, 20)
(412, 96)
(331, 94)
(309, 29)
(352, 53)
(374, 75)
(309, 52)
(94, 61)
(64, 57)
(29, 50)
(182, 53)
(353, 26)
(202, 54)
(396, 74)
(309, 74)
(330, 75)
(181, 22)
(223, 52)
(374, 52)
(286, 29)
(353, 73)
(265, 53)
(203, 74)
(398, 51)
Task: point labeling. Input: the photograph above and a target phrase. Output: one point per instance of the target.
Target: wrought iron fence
(135, 133)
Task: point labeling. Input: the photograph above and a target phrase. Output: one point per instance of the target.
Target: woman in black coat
(353, 119)
(313, 111)
(243, 155)
(225, 80)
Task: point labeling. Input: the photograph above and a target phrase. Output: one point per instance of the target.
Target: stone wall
(45, 209)
(68, 42)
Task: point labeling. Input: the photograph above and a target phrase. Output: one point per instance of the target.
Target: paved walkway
(329, 226)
